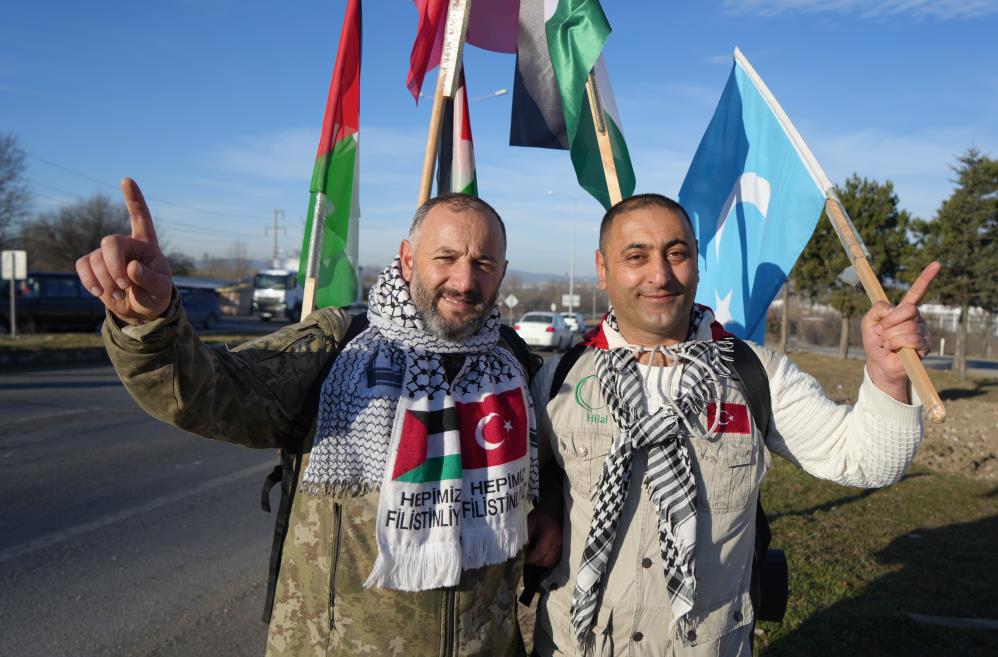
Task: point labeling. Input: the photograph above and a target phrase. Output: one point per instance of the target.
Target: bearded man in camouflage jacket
(406, 534)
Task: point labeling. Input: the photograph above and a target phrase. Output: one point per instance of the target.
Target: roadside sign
(15, 265)
(511, 301)
(571, 300)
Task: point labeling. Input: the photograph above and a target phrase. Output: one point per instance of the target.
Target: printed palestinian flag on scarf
(456, 159)
(558, 45)
(334, 187)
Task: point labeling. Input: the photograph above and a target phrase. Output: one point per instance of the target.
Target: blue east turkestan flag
(753, 200)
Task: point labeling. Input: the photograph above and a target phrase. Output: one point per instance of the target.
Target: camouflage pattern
(251, 396)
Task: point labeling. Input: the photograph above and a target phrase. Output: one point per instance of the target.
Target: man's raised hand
(888, 329)
(129, 273)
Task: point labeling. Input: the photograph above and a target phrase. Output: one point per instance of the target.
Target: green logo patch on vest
(587, 393)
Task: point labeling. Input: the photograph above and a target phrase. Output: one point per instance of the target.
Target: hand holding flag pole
(859, 256)
(455, 31)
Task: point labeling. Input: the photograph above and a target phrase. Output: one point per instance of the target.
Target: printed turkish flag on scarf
(494, 430)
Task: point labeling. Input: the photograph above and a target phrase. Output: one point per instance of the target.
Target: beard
(458, 330)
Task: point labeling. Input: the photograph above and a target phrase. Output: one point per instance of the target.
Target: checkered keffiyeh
(394, 367)
(669, 479)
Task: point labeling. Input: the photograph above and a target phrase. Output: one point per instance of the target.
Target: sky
(215, 108)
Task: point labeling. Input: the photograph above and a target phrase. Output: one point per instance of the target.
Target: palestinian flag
(334, 187)
(558, 45)
(491, 26)
(456, 159)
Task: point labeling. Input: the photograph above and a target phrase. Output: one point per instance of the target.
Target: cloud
(917, 164)
(933, 9)
(274, 156)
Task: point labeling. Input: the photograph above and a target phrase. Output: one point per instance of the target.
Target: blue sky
(214, 106)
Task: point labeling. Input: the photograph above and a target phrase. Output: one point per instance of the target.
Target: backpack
(286, 472)
(769, 588)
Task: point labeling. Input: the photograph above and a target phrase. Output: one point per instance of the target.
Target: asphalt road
(977, 367)
(120, 535)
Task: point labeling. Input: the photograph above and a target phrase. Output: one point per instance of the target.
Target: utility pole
(571, 271)
(278, 228)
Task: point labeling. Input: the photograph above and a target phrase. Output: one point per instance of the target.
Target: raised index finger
(921, 285)
(142, 226)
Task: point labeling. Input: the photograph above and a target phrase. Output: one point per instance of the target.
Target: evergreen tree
(874, 210)
(964, 238)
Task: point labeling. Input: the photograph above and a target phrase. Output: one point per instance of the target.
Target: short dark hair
(459, 203)
(638, 202)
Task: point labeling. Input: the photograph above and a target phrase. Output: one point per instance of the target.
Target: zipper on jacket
(449, 623)
(337, 522)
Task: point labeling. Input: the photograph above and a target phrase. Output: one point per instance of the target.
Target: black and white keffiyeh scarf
(455, 462)
(702, 363)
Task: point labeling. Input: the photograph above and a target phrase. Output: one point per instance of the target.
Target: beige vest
(635, 617)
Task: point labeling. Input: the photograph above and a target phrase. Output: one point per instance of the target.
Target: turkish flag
(734, 418)
(494, 430)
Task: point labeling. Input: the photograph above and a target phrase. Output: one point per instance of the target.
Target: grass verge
(860, 561)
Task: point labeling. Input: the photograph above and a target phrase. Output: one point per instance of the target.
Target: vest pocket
(584, 452)
(730, 471)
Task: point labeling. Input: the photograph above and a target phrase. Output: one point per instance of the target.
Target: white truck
(276, 293)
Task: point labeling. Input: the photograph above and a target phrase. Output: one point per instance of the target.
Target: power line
(166, 223)
(152, 198)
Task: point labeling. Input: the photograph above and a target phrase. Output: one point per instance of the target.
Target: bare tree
(236, 265)
(239, 261)
(15, 198)
(54, 240)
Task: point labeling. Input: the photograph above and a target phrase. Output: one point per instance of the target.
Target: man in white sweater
(663, 459)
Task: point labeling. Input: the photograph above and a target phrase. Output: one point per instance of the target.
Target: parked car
(541, 329)
(51, 302)
(201, 306)
(575, 322)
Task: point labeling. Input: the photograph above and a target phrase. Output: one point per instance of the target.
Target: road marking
(64, 535)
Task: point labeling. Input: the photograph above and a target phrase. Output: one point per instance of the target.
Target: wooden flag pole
(314, 249)
(455, 30)
(857, 253)
(603, 139)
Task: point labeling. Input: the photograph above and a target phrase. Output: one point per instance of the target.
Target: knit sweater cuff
(898, 424)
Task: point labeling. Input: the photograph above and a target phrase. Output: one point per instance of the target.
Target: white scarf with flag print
(702, 361)
(455, 462)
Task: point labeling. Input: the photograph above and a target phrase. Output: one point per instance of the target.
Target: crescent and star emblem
(480, 430)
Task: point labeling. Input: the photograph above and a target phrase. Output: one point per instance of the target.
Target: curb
(29, 360)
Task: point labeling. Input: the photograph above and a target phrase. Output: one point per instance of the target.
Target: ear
(406, 254)
(601, 269)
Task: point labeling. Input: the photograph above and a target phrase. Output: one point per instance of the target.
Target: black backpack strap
(531, 362)
(565, 365)
(769, 587)
(755, 381)
(289, 469)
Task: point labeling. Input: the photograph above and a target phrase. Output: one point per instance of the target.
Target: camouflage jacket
(251, 395)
